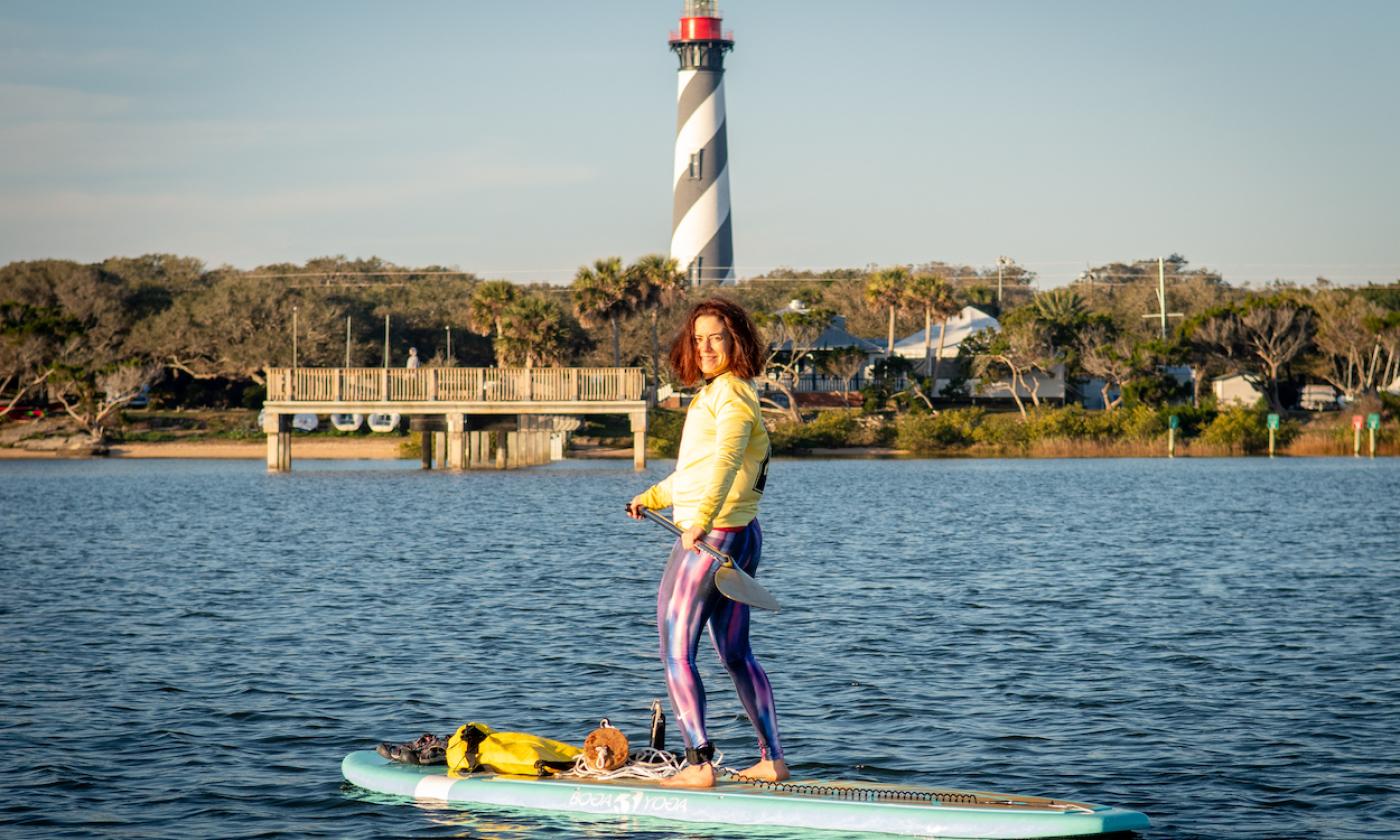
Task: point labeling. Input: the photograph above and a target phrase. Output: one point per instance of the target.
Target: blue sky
(521, 139)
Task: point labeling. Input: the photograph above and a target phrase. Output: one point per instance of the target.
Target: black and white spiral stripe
(700, 223)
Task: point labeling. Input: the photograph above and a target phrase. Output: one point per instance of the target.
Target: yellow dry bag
(477, 746)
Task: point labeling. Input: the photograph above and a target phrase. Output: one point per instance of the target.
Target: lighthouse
(702, 238)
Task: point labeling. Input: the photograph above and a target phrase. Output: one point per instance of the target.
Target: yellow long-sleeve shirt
(722, 465)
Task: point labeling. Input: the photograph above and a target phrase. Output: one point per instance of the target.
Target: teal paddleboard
(842, 806)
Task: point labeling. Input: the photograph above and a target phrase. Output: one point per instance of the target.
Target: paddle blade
(735, 585)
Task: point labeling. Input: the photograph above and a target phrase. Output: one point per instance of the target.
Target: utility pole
(1002, 262)
(294, 338)
(386, 341)
(1090, 276)
(1162, 295)
(347, 341)
(1162, 314)
(449, 343)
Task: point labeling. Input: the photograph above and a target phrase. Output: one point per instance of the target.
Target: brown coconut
(605, 748)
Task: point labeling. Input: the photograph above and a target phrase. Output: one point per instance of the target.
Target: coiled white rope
(644, 763)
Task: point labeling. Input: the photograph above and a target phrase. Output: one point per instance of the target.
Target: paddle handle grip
(676, 529)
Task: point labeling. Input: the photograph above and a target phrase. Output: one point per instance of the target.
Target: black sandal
(427, 749)
(398, 752)
(433, 754)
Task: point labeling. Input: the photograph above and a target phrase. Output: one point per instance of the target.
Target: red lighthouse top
(700, 21)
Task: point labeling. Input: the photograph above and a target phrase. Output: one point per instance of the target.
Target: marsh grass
(1047, 432)
(1139, 431)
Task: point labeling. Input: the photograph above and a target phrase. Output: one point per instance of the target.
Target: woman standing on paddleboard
(719, 478)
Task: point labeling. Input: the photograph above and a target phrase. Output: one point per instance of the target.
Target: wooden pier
(470, 417)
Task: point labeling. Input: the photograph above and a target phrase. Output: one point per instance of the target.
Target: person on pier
(715, 490)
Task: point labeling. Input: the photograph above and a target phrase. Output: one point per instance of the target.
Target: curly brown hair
(745, 362)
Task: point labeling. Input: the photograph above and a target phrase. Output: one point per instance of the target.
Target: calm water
(189, 648)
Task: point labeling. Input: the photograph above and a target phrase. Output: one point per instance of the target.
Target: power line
(395, 273)
(353, 278)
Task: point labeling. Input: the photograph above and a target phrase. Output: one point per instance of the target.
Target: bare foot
(768, 771)
(695, 776)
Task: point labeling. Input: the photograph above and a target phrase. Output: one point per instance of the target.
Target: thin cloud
(38, 103)
(441, 178)
(17, 56)
(60, 148)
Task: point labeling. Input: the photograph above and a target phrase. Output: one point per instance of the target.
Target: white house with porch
(961, 326)
(970, 321)
(834, 337)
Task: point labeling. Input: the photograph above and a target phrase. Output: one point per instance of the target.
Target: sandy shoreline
(378, 449)
(369, 448)
(342, 449)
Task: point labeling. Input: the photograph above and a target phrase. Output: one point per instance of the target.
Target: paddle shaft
(732, 582)
(676, 529)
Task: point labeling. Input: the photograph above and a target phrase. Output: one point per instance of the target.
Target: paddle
(732, 582)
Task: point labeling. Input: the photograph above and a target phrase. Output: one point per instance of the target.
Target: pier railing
(448, 384)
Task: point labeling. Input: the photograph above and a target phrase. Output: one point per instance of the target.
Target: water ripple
(191, 647)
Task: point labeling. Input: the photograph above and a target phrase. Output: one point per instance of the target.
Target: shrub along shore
(1047, 432)
(1052, 432)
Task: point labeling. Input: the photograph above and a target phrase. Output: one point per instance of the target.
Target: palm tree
(947, 307)
(660, 283)
(605, 293)
(885, 290)
(1060, 307)
(484, 310)
(533, 332)
(934, 296)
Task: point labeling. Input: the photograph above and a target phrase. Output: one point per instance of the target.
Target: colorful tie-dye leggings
(686, 601)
